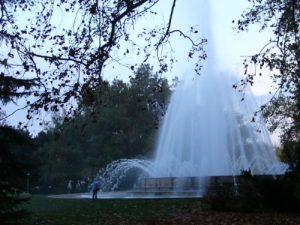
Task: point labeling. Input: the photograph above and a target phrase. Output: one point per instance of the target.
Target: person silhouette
(94, 187)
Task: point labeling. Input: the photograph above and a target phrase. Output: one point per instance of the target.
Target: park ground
(52, 211)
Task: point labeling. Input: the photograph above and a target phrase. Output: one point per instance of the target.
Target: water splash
(207, 131)
(124, 170)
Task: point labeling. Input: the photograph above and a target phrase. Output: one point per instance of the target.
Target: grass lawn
(103, 211)
(46, 211)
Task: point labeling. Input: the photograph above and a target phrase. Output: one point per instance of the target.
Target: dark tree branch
(167, 33)
(74, 58)
(54, 58)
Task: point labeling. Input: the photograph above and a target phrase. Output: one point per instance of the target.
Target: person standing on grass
(94, 187)
(78, 186)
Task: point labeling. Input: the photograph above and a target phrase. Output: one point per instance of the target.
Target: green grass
(46, 211)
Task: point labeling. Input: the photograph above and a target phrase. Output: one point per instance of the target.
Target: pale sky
(230, 45)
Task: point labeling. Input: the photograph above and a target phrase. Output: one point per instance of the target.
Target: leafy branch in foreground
(13, 84)
(67, 45)
(280, 56)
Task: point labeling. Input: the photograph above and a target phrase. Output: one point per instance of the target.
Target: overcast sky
(231, 47)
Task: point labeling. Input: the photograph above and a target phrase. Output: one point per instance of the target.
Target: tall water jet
(206, 132)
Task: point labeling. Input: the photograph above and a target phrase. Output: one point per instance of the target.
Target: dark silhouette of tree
(16, 149)
(12, 83)
(281, 56)
(67, 57)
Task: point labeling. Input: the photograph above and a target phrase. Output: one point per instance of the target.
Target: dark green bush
(12, 173)
(257, 193)
(240, 197)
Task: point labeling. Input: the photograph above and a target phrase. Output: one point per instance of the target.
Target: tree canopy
(16, 149)
(119, 122)
(67, 58)
(12, 83)
(280, 56)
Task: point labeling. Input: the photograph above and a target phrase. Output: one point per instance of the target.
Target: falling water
(207, 131)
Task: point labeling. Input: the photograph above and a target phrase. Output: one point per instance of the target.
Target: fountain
(206, 136)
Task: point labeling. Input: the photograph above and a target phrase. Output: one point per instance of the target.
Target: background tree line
(117, 120)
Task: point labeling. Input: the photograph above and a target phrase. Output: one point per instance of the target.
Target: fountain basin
(192, 186)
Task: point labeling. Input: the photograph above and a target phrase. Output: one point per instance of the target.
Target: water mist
(207, 130)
